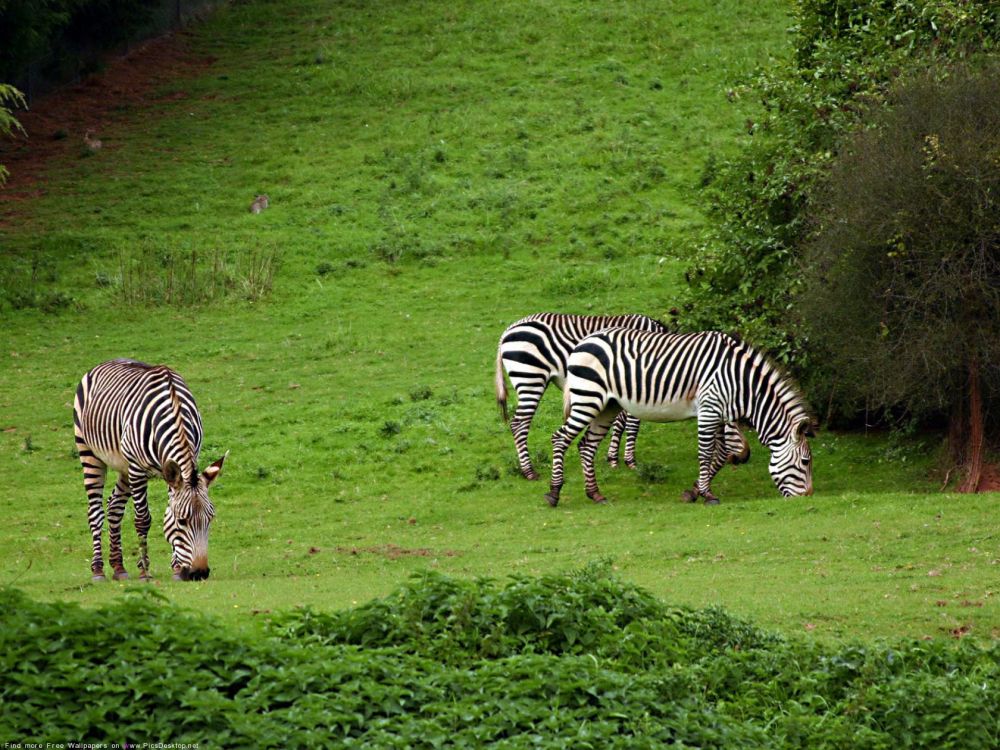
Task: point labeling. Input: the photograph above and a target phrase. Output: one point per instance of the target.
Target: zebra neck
(764, 401)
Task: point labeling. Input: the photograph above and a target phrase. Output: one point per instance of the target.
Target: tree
(902, 277)
(844, 55)
(9, 97)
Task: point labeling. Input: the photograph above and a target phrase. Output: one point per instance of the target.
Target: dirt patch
(57, 123)
(394, 552)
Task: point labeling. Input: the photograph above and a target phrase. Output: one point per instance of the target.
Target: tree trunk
(975, 434)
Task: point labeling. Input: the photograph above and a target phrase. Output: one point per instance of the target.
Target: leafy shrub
(903, 271)
(574, 660)
(844, 57)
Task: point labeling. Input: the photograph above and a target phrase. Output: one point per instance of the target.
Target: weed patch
(182, 274)
(581, 658)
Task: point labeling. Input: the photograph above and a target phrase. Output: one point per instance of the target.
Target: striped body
(533, 352)
(665, 377)
(142, 421)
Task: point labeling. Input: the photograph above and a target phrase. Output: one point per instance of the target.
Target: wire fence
(71, 59)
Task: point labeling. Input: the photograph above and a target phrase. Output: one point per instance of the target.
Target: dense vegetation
(747, 272)
(903, 277)
(66, 34)
(580, 660)
(9, 98)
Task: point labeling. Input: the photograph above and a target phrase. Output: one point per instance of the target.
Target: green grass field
(436, 171)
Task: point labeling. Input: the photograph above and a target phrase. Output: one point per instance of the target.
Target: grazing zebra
(666, 377)
(142, 421)
(533, 351)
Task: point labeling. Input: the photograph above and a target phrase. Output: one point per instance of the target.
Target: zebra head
(189, 514)
(791, 461)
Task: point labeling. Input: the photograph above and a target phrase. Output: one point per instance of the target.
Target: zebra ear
(172, 474)
(213, 471)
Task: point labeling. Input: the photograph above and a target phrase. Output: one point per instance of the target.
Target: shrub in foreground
(579, 660)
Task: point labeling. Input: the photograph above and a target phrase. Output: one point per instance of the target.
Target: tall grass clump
(30, 281)
(184, 274)
(580, 659)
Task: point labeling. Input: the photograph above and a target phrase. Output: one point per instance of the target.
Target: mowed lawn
(436, 171)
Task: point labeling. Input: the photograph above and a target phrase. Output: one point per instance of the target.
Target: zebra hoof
(613, 463)
(145, 577)
(120, 575)
(98, 577)
(689, 496)
(598, 498)
(552, 499)
(711, 500)
(531, 476)
(631, 465)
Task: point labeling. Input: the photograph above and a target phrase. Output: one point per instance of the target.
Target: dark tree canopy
(903, 273)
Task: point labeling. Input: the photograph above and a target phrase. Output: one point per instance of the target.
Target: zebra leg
(711, 450)
(631, 433)
(730, 447)
(143, 521)
(588, 448)
(617, 428)
(529, 393)
(116, 509)
(94, 471)
(561, 440)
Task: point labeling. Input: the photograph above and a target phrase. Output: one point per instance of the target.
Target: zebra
(533, 352)
(666, 377)
(142, 421)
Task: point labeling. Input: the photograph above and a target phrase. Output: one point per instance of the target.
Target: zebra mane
(186, 449)
(796, 401)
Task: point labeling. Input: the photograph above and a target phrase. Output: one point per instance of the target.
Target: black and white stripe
(665, 377)
(533, 352)
(142, 421)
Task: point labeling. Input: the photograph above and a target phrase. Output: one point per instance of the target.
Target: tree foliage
(903, 276)
(59, 30)
(10, 98)
(845, 54)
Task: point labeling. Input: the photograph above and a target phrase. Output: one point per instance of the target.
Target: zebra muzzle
(191, 574)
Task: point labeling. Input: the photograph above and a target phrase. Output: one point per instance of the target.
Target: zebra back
(728, 376)
(132, 413)
(541, 343)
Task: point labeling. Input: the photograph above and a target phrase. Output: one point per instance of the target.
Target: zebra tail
(501, 386)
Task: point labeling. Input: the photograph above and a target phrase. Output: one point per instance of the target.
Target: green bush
(903, 271)
(578, 660)
(844, 56)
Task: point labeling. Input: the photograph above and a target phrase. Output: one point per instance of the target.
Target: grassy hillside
(436, 170)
